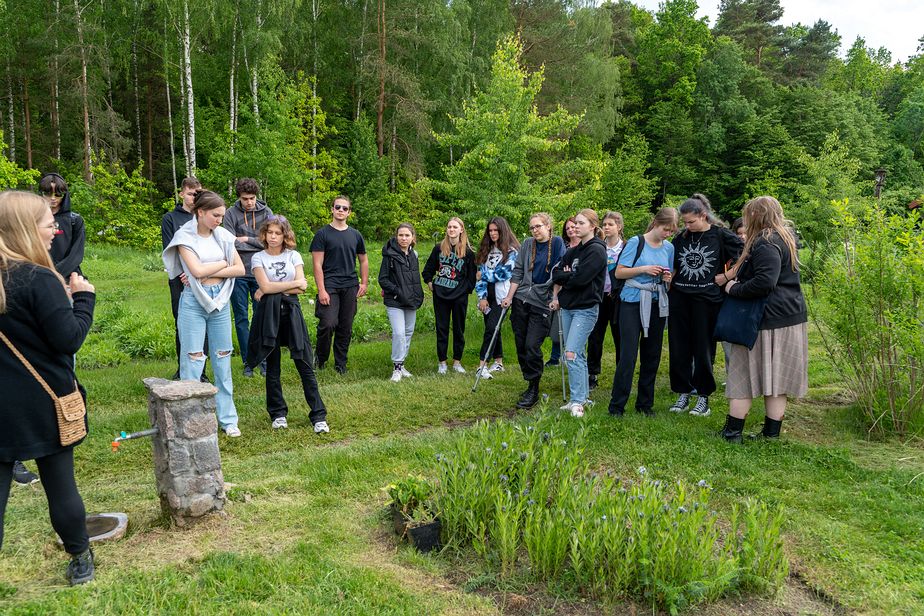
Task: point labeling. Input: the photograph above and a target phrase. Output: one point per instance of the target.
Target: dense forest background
(421, 108)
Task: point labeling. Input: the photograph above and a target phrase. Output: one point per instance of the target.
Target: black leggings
(65, 507)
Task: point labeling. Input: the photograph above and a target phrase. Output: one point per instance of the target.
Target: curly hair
(247, 186)
(288, 235)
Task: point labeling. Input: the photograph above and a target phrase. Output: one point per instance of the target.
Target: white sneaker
(496, 367)
(442, 368)
(577, 410)
(565, 407)
(321, 426)
(458, 368)
(396, 375)
(485, 373)
(280, 422)
(405, 373)
(232, 431)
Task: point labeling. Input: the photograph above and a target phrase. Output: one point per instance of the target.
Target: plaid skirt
(776, 366)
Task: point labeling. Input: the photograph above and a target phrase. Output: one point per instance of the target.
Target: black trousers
(444, 311)
(690, 326)
(65, 507)
(275, 402)
(490, 323)
(531, 326)
(176, 288)
(633, 344)
(335, 323)
(608, 318)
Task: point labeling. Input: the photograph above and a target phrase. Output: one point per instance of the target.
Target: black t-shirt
(699, 256)
(340, 249)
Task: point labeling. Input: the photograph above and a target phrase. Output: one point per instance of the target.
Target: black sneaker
(81, 568)
(176, 376)
(701, 408)
(341, 370)
(592, 382)
(682, 405)
(552, 362)
(22, 475)
(248, 372)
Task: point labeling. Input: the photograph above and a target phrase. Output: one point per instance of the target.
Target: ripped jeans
(192, 324)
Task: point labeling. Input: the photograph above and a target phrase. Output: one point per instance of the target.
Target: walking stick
(561, 345)
(487, 353)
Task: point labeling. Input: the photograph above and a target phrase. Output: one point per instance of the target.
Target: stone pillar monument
(187, 464)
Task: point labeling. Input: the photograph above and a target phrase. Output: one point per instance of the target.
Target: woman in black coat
(399, 277)
(46, 322)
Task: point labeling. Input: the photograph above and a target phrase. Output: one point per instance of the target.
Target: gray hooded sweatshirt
(242, 223)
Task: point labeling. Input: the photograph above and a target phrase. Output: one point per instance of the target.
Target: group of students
(593, 280)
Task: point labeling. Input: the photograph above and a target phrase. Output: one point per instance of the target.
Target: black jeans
(65, 507)
(444, 311)
(176, 288)
(335, 323)
(490, 324)
(607, 319)
(631, 345)
(531, 325)
(690, 327)
(275, 402)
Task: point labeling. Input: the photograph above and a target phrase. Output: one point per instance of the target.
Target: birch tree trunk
(11, 113)
(185, 123)
(170, 114)
(362, 60)
(135, 82)
(27, 121)
(254, 90)
(380, 107)
(315, 12)
(84, 93)
(190, 98)
(55, 122)
(232, 94)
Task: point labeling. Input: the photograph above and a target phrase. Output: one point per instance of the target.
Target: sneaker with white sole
(280, 422)
(577, 410)
(232, 431)
(485, 373)
(682, 405)
(320, 427)
(404, 372)
(566, 406)
(441, 369)
(496, 367)
(701, 408)
(396, 376)
(22, 476)
(458, 368)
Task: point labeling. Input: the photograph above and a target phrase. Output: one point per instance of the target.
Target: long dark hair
(699, 205)
(506, 240)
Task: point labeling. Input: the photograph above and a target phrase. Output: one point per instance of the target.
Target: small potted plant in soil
(423, 528)
(407, 495)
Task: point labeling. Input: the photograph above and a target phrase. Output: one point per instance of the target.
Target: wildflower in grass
(603, 517)
(504, 478)
(530, 502)
(642, 470)
(665, 508)
(657, 483)
(487, 449)
(504, 445)
(523, 457)
(702, 483)
(681, 509)
(545, 436)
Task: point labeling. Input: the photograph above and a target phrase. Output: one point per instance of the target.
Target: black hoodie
(399, 277)
(69, 241)
(767, 272)
(173, 221)
(582, 287)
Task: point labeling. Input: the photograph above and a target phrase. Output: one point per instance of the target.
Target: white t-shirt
(207, 249)
(278, 268)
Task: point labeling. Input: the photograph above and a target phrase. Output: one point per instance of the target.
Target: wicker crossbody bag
(70, 409)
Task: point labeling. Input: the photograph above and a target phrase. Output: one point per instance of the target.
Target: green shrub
(871, 315)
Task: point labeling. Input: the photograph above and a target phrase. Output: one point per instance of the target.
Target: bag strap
(28, 366)
(638, 249)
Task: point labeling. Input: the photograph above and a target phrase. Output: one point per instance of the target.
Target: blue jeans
(244, 288)
(577, 325)
(193, 322)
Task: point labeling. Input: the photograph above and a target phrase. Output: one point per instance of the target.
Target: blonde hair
(547, 221)
(666, 216)
(20, 213)
(617, 218)
(762, 217)
(461, 246)
(593, 219)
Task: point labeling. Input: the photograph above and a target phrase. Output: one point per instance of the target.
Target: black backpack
(616, 284)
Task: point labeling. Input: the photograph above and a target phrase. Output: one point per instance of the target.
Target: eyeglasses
(53, 193)
(536, 227)
(342, 208)
(53, 225)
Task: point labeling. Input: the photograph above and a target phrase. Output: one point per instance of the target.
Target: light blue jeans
(577, 326)
(402, 329)
(192, 324)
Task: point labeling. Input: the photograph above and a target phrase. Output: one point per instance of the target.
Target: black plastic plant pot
(399, 521)
(426, 537)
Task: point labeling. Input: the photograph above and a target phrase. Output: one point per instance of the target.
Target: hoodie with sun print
(699, 256)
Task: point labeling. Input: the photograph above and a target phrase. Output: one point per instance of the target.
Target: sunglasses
(276, 218)
(342, 208)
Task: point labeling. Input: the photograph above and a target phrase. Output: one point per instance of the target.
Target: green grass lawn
(305, 530)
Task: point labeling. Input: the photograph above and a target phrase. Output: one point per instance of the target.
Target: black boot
(592, 382)
(530, 397)
(732, 429)
(81, 568)
(771, 429)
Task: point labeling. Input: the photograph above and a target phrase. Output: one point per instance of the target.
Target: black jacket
(264, 329)
(69, 241)
(453, 277)
(172, 221)
(48, 331)
(399, 277)
(767, 272)
(582, 287)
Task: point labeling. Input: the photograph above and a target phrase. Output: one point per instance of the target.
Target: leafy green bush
(507, 487)
(871, 315)
(128, 335)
